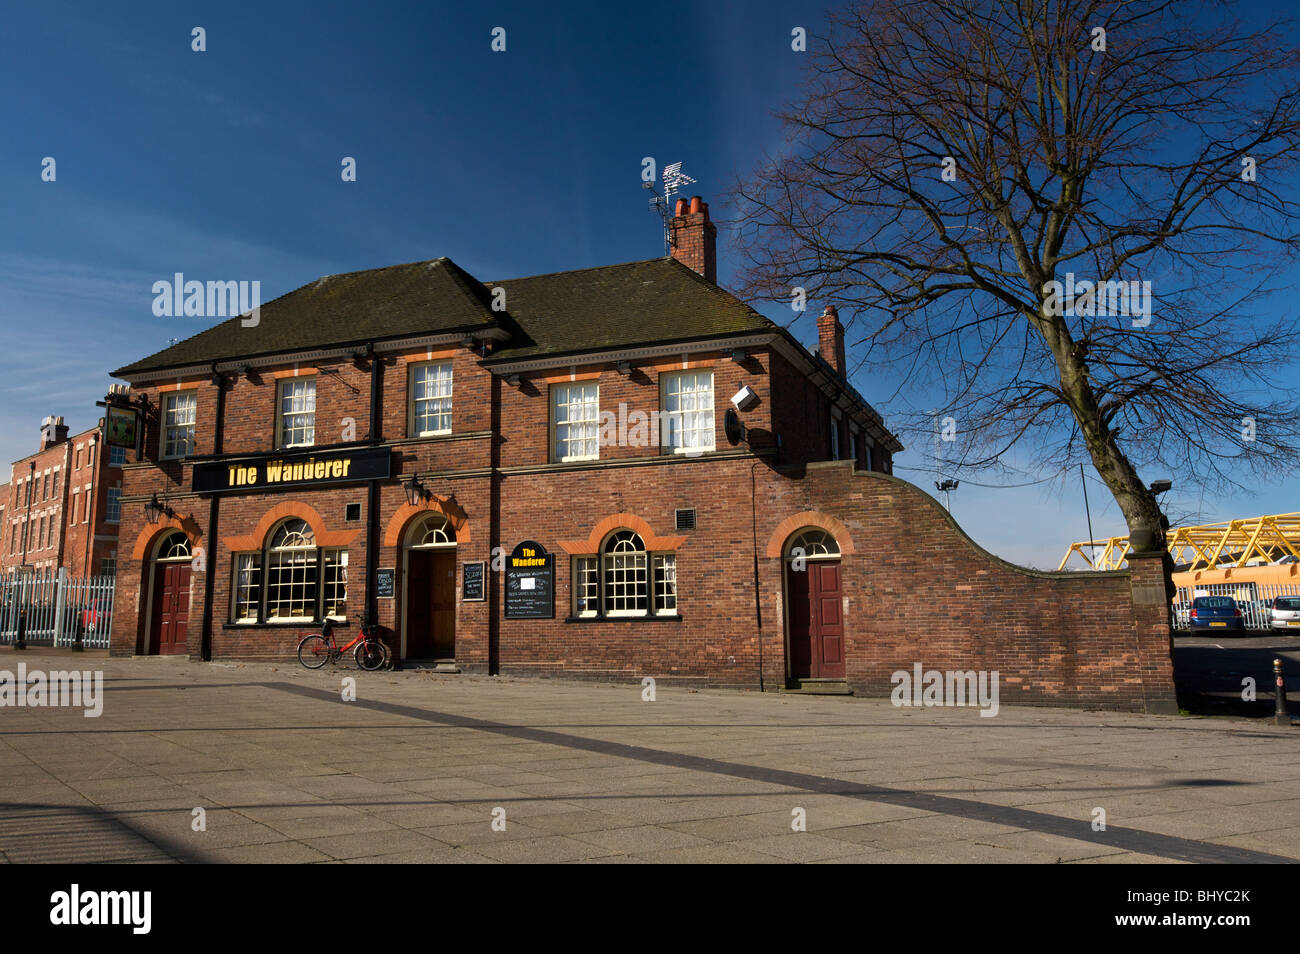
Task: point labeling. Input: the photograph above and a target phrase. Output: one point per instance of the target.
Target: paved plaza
(426, 767)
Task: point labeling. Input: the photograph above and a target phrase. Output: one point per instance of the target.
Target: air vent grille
(686, 519)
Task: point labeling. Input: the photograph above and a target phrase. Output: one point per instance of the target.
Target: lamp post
(947, 487)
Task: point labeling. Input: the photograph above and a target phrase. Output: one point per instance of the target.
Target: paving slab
(410, 773)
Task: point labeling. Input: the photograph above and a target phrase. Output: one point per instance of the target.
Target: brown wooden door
(443, 604)
(419, 617)
(171, 608)
(816, 621)
(431, 604)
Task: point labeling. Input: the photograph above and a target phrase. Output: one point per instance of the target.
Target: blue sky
(225, 165)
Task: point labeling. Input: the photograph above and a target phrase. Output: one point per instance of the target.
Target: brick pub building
(62, 504)
(611, 473)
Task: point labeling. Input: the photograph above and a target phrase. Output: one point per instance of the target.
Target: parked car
(1285, 612)
(1216, 614)
(95, 617)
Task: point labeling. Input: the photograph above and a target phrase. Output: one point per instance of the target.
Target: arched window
(291, 579)
(291, 572)
(625, 580)
(624, 560)
(175, 548)
(814, 544)
(433, 530)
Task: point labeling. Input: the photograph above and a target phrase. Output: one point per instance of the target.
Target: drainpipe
(372, 505)
(495, 594)
(758, 601)
(214, 513)
(92, 499)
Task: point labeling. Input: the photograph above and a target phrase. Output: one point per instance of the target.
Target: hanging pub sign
(121, 426)
(298, 470)
(530, 582)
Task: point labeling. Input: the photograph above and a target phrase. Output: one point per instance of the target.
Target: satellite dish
(731, 424)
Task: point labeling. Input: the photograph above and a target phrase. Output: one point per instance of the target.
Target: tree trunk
(1135, 500)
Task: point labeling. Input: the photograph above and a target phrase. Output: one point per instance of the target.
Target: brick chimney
(695, 238)
(53, 431)
(830, 340)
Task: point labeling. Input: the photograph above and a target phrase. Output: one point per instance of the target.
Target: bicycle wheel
(313, 651)
(371, 654)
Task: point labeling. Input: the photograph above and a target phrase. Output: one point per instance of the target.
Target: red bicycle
(320, 648)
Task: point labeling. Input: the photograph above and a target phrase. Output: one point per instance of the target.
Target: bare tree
(953, 159)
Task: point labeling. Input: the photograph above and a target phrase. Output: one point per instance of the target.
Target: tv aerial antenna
(674, 180)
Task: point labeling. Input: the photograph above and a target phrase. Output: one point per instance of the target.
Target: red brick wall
(916, 589)
(526, 406)
(77, 545)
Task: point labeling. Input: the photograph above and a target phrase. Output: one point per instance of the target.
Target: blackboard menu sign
(384, 583)
(530, 582)
(471, 590)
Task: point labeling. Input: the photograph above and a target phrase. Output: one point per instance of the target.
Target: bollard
(1280, 715)
(20, 639)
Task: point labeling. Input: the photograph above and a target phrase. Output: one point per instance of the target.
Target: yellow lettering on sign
(346, 464)
(273, 470)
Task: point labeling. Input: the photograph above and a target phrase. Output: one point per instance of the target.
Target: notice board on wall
(473, 582)
(530, 582)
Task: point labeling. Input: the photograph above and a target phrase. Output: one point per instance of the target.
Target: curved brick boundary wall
(919, 590)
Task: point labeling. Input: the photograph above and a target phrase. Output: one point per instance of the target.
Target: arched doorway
(169, 603)
(814, 606)
(429, 626)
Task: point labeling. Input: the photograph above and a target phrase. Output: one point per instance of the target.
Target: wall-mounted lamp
(624, 367)
(154, 510)
(415, 491)
(738, 356)
(512, 380)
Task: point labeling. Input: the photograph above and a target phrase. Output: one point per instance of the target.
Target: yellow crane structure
(1255, 541)
(1253, 560)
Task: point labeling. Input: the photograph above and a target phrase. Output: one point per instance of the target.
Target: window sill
(623, 619)
(253, 624)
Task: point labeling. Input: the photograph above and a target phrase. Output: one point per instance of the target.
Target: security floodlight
(1160, 486)
(745, 398)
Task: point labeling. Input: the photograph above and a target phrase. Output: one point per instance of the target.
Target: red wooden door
(816, 621)
(827, 620)
(171, 608)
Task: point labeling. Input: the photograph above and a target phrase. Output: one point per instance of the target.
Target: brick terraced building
(613, 472)
(62, 504)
